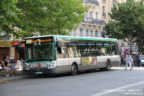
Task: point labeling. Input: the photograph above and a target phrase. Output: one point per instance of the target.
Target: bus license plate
(38, 72)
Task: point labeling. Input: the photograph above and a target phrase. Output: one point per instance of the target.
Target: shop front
(19, 50)
(5, 48)
(15, 50)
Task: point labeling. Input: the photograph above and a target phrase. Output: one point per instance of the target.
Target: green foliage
(50, 17)
(44, 16)
(22, 33)
(113, 30)
(8, 14)
(127, 22)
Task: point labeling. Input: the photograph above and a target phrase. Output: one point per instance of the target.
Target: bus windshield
(41, 52)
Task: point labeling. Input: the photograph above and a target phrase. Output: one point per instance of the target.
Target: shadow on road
(64, 75)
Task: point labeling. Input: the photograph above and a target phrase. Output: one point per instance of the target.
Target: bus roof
(75, 38)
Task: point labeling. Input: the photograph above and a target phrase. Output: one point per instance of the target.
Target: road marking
(117, 89)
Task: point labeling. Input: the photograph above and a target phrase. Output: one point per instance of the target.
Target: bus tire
(74, 69)
(108, 66)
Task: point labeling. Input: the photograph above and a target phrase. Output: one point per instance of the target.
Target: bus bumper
(56, 70)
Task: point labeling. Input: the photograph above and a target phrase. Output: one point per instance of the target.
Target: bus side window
(75, 51)
(103, 51)
(114, 49)
(108, 48)
(100, 49)
(64, 53)
(79, 53)
(83, 49)
(59, 50)
(70, 52)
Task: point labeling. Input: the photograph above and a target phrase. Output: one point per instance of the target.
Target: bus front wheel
(74, 69)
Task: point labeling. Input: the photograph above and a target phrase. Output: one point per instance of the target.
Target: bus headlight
(27, 66)
(51, 65)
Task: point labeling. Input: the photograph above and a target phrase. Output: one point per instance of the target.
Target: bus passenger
(4, 62)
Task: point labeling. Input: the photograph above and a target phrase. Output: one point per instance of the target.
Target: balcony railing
(95, 2)
(93, 21)
(104, 1)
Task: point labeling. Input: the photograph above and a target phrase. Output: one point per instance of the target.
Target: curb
(134, 68)
(8, 79)
(19, 75)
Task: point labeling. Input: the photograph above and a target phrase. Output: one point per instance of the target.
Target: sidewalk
(134, 68)
(19, 75)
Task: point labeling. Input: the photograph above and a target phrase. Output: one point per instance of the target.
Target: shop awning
(6, 44)
(12, 44)
(18, 44)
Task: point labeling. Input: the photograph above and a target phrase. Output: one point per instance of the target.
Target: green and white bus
(54, 54)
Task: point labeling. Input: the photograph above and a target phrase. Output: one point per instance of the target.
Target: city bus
(55, 54)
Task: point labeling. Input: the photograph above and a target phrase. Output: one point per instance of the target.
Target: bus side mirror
(58, 44)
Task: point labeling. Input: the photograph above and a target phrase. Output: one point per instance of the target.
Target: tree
(127, 22)
(8, 15)
(50, 16)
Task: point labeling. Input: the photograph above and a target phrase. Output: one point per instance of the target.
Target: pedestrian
(5, 65)
(136, 60)
(122, 60)
(11, 65)
(140, 59)
(129, 61)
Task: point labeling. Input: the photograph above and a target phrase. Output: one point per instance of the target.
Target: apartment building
(95, 19)
(93, 23)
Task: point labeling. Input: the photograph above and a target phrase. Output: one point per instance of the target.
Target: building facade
(10, 47)
(95, 19)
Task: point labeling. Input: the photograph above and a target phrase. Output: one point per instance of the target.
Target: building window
(95, 2)
(114, 2)
(104, 9)
(86, 14)
(81, 32)
(91, 33)
(87, 33)
(97, 15)
(96, 33)
(103, 34)
(74, 33)
(91, 14)
(104, 12)
(70, 33)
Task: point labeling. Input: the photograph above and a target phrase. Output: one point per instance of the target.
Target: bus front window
(39, 52)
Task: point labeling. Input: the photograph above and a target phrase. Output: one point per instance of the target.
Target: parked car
(142, 60)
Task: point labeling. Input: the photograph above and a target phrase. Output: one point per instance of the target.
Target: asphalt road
(101, 83)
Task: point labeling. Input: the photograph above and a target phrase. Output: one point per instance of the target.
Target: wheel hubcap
(74, 69)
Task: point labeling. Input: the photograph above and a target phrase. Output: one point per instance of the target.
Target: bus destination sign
(30, 41)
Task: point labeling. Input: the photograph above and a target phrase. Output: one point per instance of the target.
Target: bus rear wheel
(74, 69)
